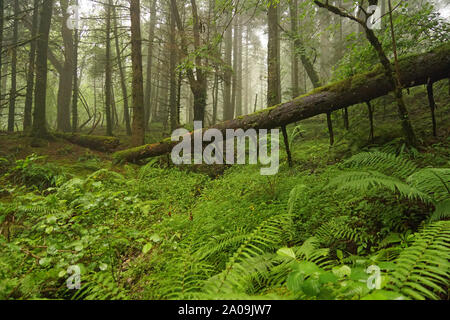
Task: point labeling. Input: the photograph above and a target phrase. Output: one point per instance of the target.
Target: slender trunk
(138, 128)
(273, 74)
(2, 13)
(227, 107)
(66, 76)
(108, 71)
(39, 116)
(432, 105)
(13, 90)
(148, 83)
(27, 116)
(372, 131)
(75, 80)
(293, 9)
(123, 85)
(173, 74)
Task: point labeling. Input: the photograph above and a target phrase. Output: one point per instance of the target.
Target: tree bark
(414, 70)
(173, 75)
(75, 89)
(66, 76)
(27, 116)
(123, 85)
(13, 90)
(108, 72)
(293, 10)
(39, 116)
(273, 62)
(138, 129)
(227, 106)
(148, 83)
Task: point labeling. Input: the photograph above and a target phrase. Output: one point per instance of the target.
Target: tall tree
(198, 80)
(123, 85)
(293, 10)
(66, 76)
(138, 129)
(39, 114)
(13, 89)
(227, 106)
(173, 74)
(76, 41)
(108, 71)
(148, 82)
(27, 117)
(273, 74)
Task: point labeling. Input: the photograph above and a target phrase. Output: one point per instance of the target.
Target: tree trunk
(173, 74)
(273, 73)
(293, 10)
(39, 116)
(27, 121)
(66, 76)
(75, 89)
(414, 70)
(148, 83)
(227, 106)
(2, 13)
(123, 85)
(13, 90)
(138, 129)
(108, 71)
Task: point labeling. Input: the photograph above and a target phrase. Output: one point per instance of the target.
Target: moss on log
(414, 70)
(99, 143)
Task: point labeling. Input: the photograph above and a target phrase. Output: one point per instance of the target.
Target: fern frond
(432, 181)
(365, 180)
(242, 266)
(423, 269)
(442, 211)
(386, 163)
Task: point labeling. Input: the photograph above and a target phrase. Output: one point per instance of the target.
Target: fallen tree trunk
(99, 143)
(414, 70)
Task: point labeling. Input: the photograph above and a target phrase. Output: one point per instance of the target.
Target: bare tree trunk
(13, 90)
(27, 117)
(2, 13)
(39, 116)
(273, 73)
(227, 106)
(138, 128)
(173, 74)
(123, 85)
(108, 71)
(148, 83)
(75, 80)
(66, 76)
(293, 9)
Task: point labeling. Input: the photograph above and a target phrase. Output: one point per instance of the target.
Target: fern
(423, 269)
(337, 230)
(100, 286)
(250, 259)
(399, 175)
(386, 163)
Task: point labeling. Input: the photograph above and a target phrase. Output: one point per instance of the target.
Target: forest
(224, 150)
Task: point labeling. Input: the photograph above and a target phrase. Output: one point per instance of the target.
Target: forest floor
(146, 232)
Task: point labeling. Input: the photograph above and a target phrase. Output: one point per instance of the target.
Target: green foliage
(32, 172)
(422, 270)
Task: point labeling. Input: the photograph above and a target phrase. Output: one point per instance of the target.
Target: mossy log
(414, 70)
(99, 143)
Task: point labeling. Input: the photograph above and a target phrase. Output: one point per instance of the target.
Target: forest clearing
(224, 150)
